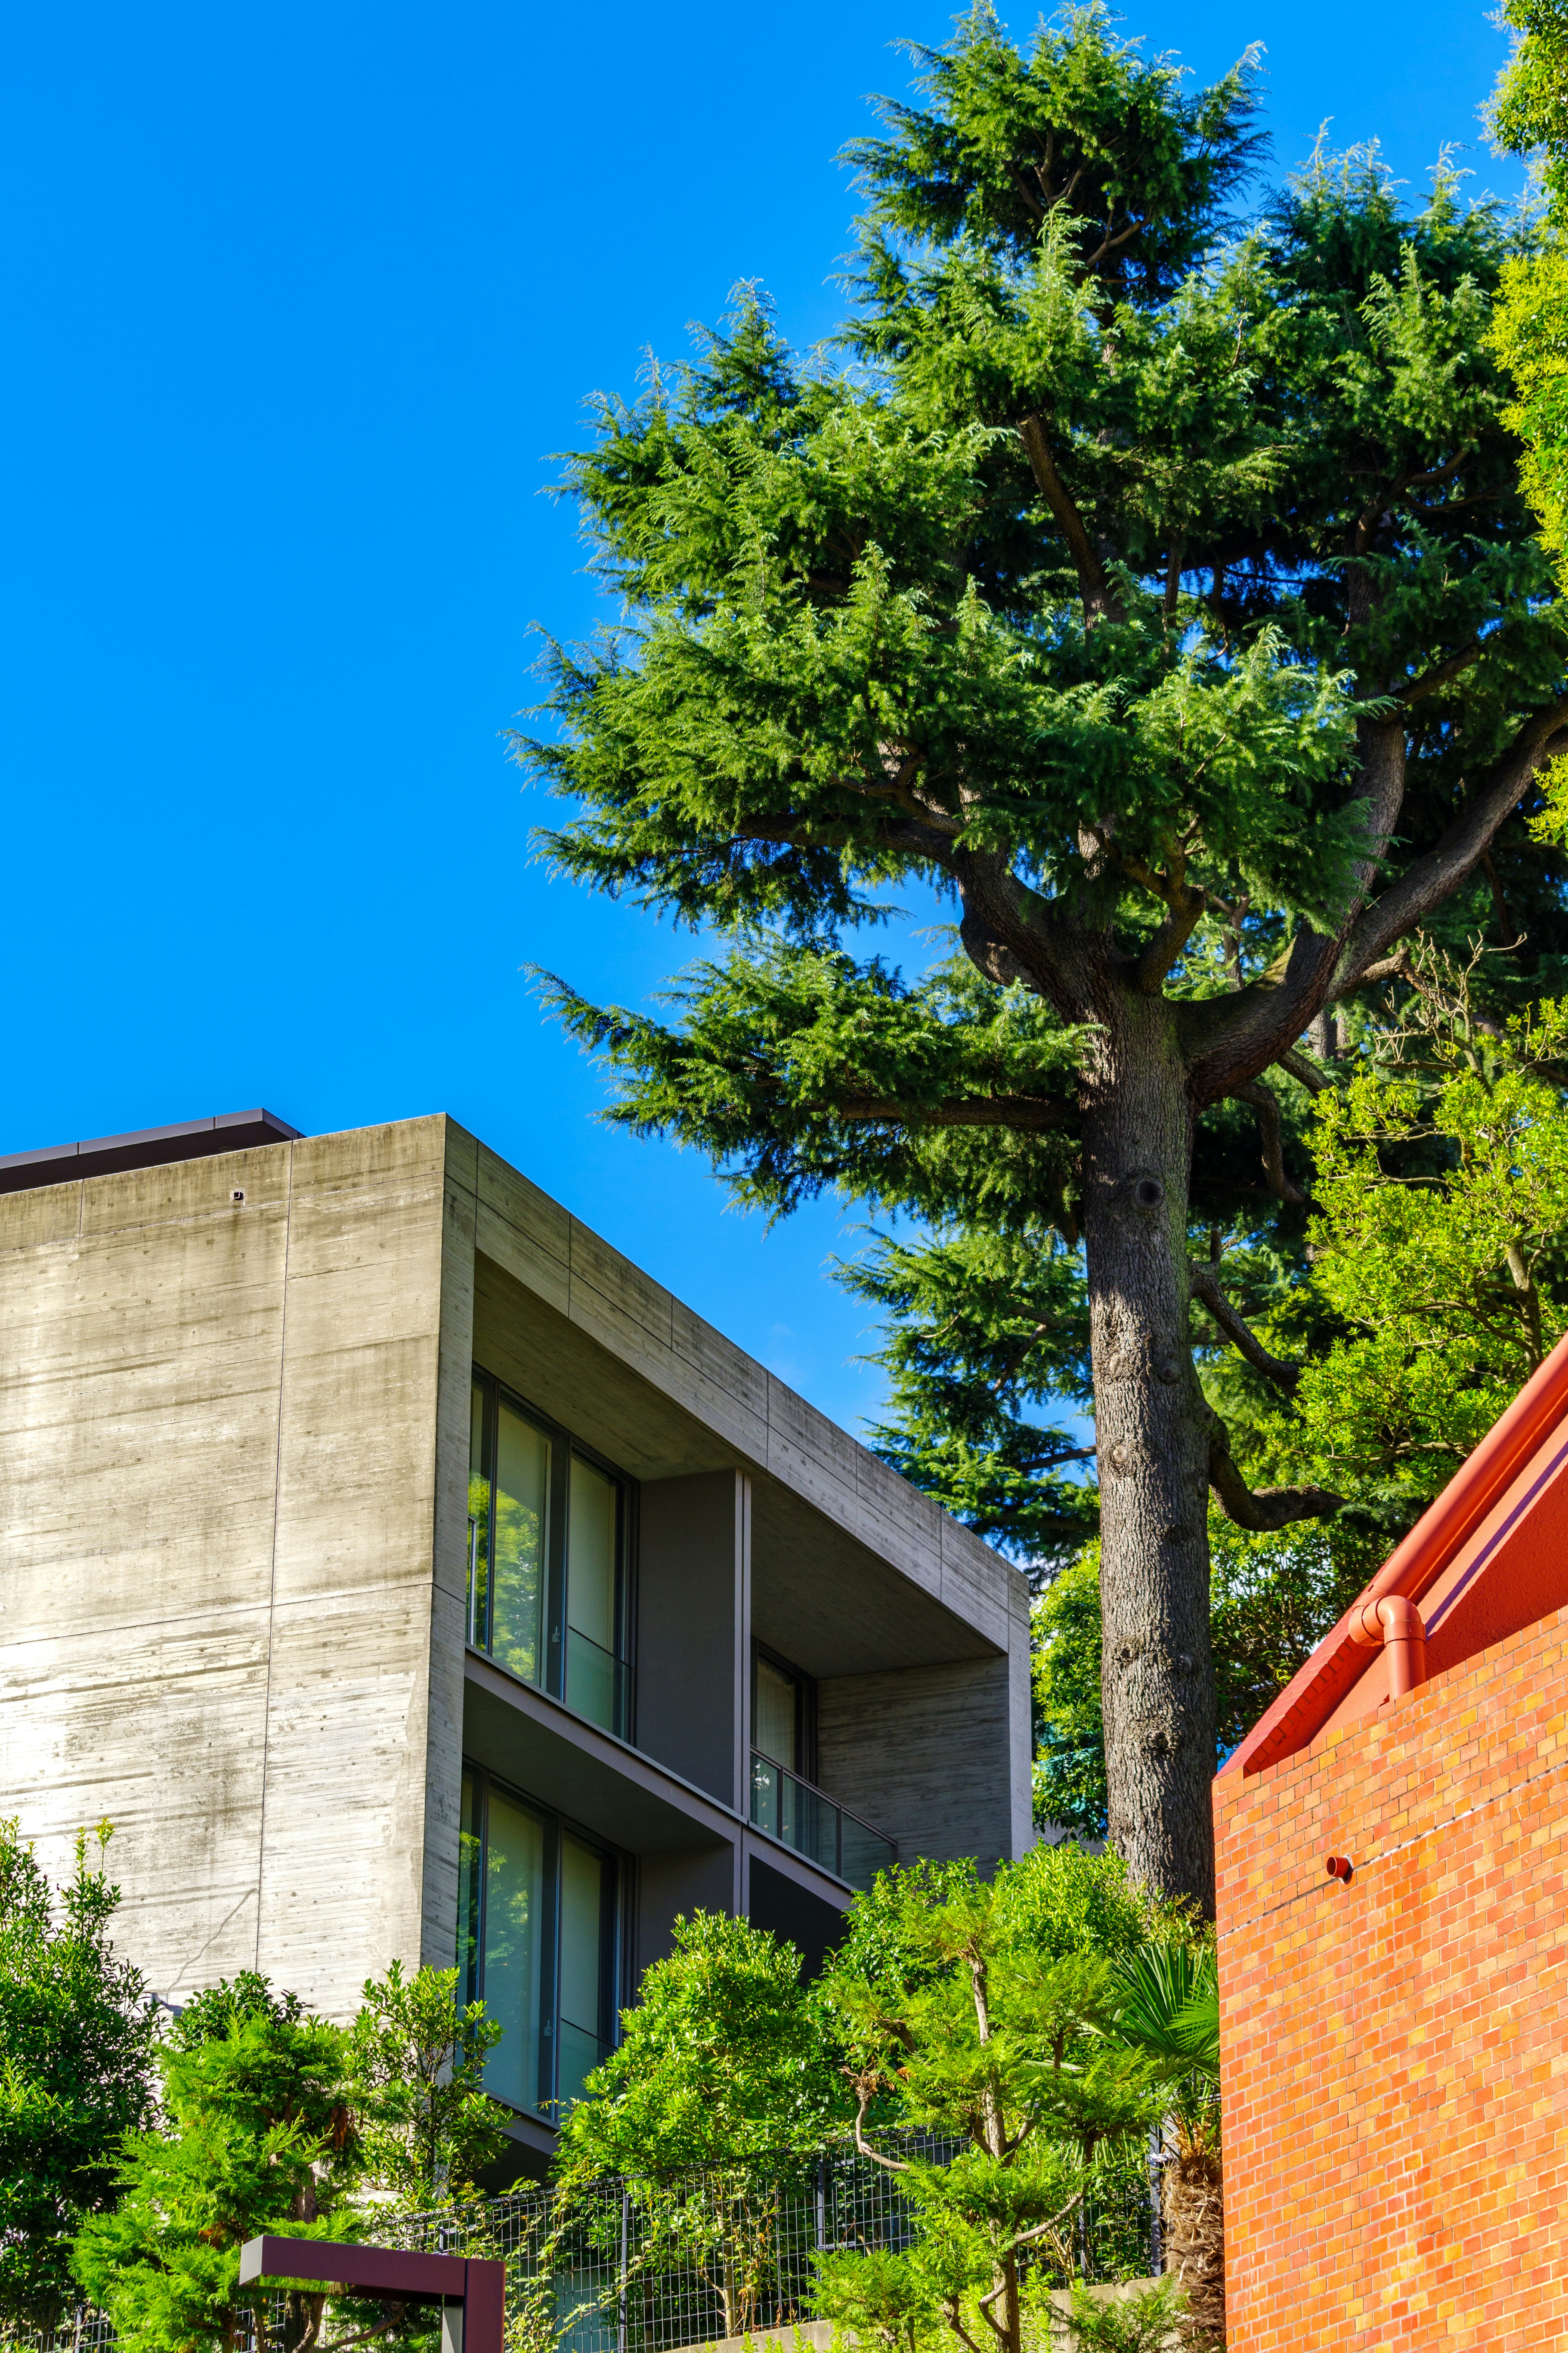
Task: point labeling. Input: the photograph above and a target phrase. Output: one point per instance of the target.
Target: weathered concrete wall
(922, 1753)
(216, 1487)
(1394, 2050)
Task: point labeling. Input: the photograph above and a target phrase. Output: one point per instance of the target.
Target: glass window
(586, 1950)
(538, 1925)
(470, 1864)
(514, 1947)
(520, 1544)
(594, 1669)
(775, 1715)
(547, 1558)
(479, 1517)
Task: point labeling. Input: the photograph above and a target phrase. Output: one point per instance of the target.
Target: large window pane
(583, 2030)
(520, 1542)
(515, 1929)
(595, 1675)
(470, 1861)
(776, 1729)
(594, 1556)
(478, 1520)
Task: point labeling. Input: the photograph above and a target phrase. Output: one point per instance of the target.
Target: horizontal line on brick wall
(1499, 1798)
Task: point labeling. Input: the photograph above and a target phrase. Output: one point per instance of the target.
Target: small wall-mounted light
(1338, 1866)
(238, 1194)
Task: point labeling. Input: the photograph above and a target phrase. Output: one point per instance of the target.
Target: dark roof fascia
(149, 1147)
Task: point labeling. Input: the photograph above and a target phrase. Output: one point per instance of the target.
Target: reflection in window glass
(478, 1522)
(522, 1535)
(775, 1730)
(515, 1929)
(583, 2037)
(471, 1852)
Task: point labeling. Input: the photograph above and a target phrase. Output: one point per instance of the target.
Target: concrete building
(406, 1575)
(1392, 1844)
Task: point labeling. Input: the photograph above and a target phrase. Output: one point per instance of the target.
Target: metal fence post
(1156, 2212)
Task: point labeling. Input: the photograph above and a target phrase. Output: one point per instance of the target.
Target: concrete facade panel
(52, 1214)
(916, 1753)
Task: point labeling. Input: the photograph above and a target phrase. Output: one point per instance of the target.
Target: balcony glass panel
(807, 1819)
(595, 1683)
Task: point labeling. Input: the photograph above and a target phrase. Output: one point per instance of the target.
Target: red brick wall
(1395, 2051)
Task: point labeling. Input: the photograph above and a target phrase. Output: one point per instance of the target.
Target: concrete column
(693, 1630)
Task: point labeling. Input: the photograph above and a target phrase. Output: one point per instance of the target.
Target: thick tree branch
(1429, 879)
(1231, 1038)
(1100, 601)
(1441, 672)
(1265, 1508)
(1310, 1077)
(1265, 1103)
(1205, 1287)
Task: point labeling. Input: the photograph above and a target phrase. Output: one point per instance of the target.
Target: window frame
(614, 1947)
(563, 1445)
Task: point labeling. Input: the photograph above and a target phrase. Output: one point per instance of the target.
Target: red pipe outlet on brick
(1397, 1624)
(1339, 1866)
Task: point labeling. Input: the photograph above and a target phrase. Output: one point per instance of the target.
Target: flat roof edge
(146, 1147)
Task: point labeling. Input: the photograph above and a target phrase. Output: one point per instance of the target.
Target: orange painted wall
(1395, 2053)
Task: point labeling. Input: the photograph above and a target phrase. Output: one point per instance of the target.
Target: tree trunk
(1194, 2198)
(1151, 1425)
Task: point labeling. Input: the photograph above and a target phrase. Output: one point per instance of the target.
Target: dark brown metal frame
(471, 2290)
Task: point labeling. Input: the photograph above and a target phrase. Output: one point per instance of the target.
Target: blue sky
(298, 300)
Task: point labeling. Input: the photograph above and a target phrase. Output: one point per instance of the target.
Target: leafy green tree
(719, 2059)
(720, 2074)
(76, 2068)
(1273, 1599)
(987, 2012)
(1170, 608)
(1439, 1245)
(1529, 117)
(415, 2062)
(256, 2135)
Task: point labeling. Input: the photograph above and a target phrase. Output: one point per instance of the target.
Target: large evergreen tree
(1166, 603)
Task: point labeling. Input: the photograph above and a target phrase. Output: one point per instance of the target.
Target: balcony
(800, 1816)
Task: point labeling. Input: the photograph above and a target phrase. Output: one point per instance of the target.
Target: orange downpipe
(1395, 1623)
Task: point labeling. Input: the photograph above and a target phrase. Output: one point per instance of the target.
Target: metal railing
(814, 1824)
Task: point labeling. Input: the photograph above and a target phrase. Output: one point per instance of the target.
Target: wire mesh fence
(631, 2265)
(651, 2266)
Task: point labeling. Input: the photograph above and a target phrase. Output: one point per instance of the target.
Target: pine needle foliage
(1158, 589)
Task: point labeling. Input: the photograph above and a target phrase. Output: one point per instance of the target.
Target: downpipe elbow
(1396, 1624)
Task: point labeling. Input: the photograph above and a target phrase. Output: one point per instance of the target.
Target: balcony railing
(803, 1818)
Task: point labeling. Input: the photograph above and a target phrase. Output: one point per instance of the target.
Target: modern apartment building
(406, 1575)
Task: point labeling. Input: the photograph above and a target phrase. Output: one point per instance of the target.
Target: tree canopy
(1156, 588)
(76, 2068)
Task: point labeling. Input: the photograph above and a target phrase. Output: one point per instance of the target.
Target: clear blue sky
(297, 300)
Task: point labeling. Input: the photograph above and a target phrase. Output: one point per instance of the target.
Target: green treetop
(1167, 604)
(988, 2013)
(75, 2067)
(256, 2135)
(1529, 117)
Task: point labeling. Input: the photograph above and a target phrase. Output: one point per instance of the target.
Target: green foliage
(1438, 1247)
(719, 2061)
(1272, 1600)
(256, 2135)
(415, 2061)
(1530, 332)
(1149, 2321)
(988, 2013)
(76, 2063)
